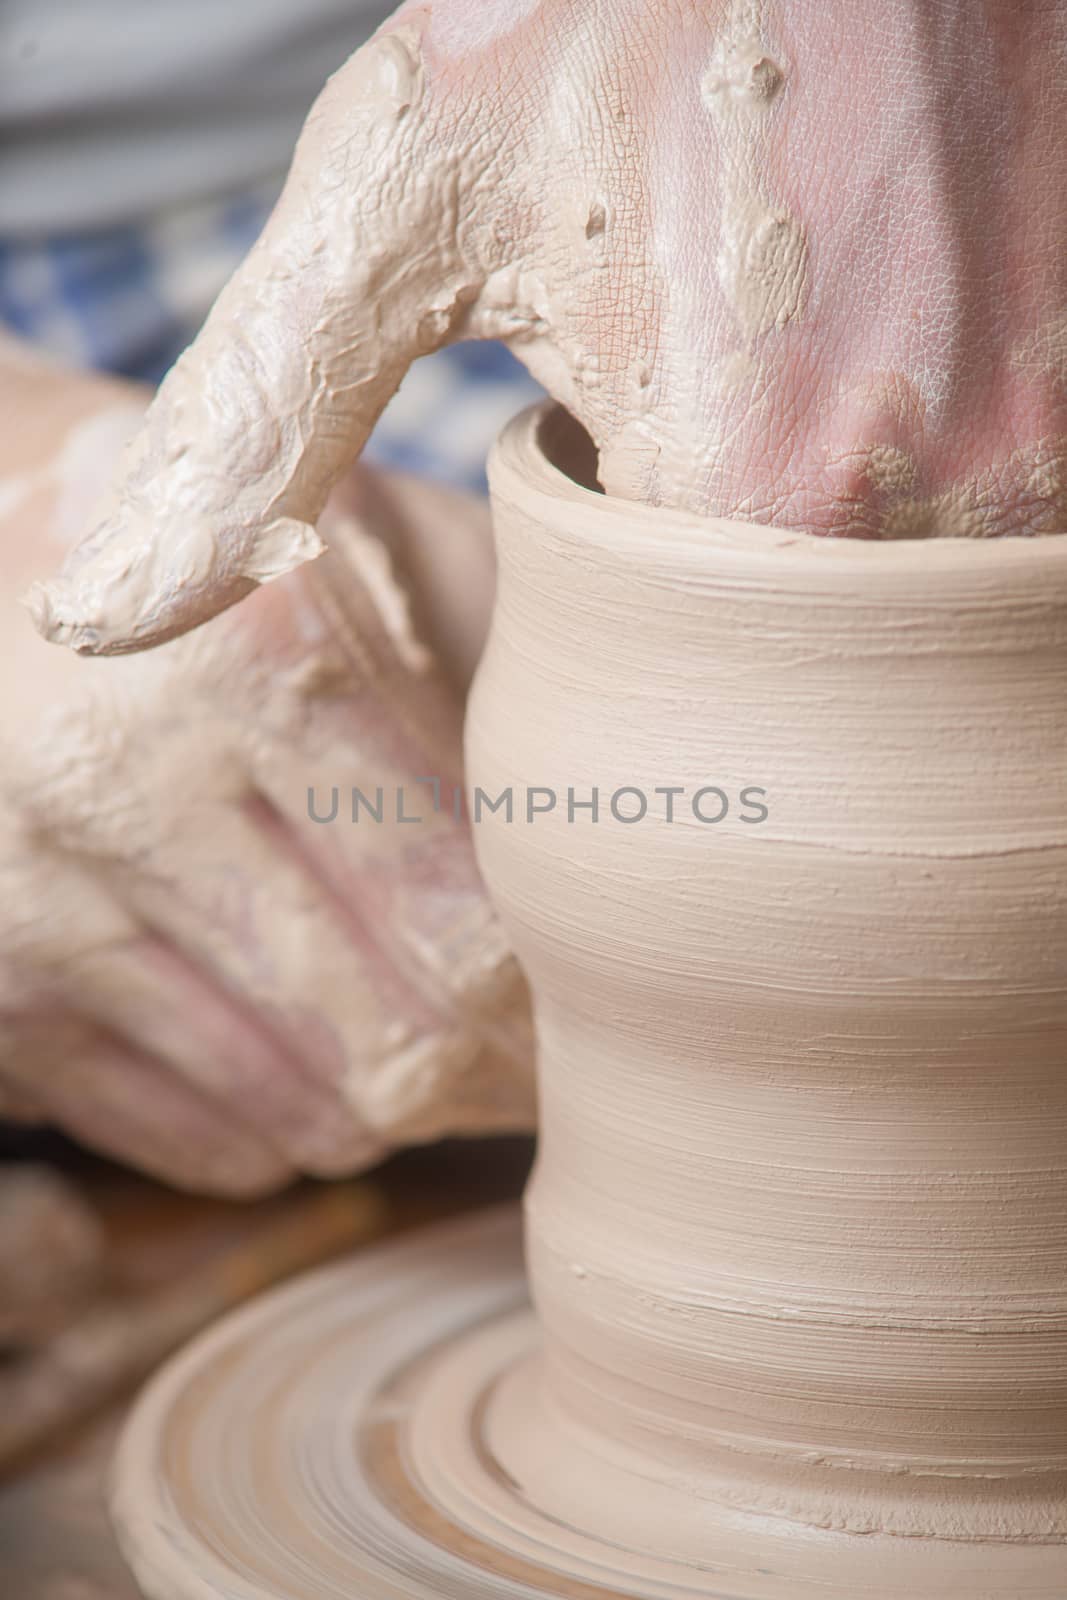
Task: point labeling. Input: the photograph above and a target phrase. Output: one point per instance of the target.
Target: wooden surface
(55, 1541)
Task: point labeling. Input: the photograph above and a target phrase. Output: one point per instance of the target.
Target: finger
(353, 276)
(435, 1020)
(168, 1008)
(229, 890)
(441, 545)
(377, 740)
(67, 934)
(124, 1104)
(196, 859)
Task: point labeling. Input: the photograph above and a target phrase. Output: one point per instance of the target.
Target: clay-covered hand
(195, 974)
(787, 262)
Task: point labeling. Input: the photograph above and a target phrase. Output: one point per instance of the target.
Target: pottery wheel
(329, 1442)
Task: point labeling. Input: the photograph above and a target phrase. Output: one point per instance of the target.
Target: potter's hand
(786, 262)
(194, 975)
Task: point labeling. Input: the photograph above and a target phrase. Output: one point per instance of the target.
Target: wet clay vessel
(796, 1239)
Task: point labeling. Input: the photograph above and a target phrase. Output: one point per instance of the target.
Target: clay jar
(797, 1234)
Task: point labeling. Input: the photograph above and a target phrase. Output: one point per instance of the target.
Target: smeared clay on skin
(762, 257)
(76, 474)
(889, 469)
(211, 947)
(222, 489)
(1025, 495)
(327, 669)
(695, 226)
(371, 561)
(84, 465)
(457, 30)
(190, 809)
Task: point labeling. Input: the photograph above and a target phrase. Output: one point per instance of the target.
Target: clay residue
(956, 514)
(762, 257)
(76, 474)
(457, 29)
(223, 487)
(1023, 495)
(370, 559)
(889, 470)
(761, 264)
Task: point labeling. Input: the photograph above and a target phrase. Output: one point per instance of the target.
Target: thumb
(355, 274)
